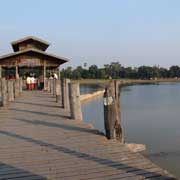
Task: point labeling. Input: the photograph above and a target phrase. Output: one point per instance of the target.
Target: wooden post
(75, 103)
(112, 112)
(0, 71)
(54, 87)
(118, 126)
(65, 93)
(1, 98)
(16, 88)
(58, 91)
(62, 91)
(10, 90)
(4, 92)
(20, 85)
(109, 120)
(48, 85)
(51, 86)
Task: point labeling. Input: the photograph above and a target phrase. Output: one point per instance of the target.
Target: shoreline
(122, 82)
(103, 82)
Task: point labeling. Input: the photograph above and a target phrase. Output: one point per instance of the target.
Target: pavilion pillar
(17, 74)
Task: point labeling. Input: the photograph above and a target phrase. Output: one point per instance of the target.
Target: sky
(132, 32)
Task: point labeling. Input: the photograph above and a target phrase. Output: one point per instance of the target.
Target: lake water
(150, 116)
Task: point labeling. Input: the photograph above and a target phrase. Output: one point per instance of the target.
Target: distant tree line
(115, 70)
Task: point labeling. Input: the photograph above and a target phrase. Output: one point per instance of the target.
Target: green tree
(67, 73)
(93, 70)
(174, 71)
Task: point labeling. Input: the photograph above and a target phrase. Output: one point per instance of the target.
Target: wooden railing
(68, 96)
(9, 90)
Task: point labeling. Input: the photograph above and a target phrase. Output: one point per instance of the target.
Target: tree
(67, 73)
(145, 72)
(115, 68)
(93, 70)
(174, 71)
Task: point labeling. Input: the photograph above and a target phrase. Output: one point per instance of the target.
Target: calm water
(151, 116)
(85, 89)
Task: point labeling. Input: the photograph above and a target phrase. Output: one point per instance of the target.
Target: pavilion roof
(61, 60)
(27, 39)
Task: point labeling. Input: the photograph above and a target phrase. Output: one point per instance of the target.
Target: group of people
(34, 83)
(31, 82)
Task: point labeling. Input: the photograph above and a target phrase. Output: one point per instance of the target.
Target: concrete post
(75, 103)
(10, 90)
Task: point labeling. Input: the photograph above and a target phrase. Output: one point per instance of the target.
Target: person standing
(33, 81)
(28, 82)
(55, 76)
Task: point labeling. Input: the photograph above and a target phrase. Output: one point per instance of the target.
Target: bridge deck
(39, 141)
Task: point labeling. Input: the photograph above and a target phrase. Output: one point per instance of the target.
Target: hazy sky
(133, 32)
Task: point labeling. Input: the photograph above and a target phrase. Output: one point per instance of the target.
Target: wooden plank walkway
(39, 141)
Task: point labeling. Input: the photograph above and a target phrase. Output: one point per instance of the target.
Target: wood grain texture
(38, 140)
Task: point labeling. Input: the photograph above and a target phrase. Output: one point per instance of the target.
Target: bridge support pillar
(65, 93)
(112, 118)
(75, 103)
(3, 92)
(10, 90)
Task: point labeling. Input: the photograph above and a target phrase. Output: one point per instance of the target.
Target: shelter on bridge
(29, 56)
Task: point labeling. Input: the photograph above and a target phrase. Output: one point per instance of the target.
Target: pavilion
(29, 56)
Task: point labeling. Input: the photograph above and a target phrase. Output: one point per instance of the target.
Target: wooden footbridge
(40, 140)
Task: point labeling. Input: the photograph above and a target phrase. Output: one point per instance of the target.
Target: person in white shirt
(28, 82)
(55, 76)
(33, 82)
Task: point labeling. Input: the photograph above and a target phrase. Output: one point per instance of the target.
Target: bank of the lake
(150, 115)
(103, 82)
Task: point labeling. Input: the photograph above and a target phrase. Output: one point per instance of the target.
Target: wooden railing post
(75, 103)
(4, 92)
(10, 90)
(16, 88)
(65, 93)
(48, 85)
(20, 85)
(54, 87)
(0, 91)
(112, 112)
(51, 86)
(58, 91)
(24, 84)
